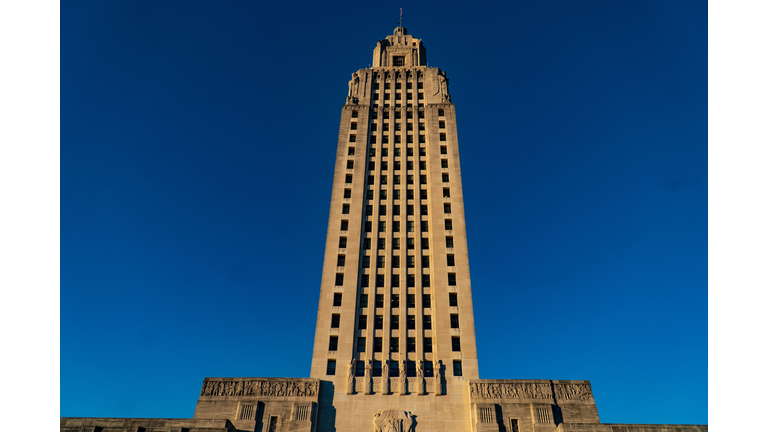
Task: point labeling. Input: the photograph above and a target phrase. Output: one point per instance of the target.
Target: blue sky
(197, 151)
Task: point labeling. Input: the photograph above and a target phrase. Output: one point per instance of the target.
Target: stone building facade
(395, 343)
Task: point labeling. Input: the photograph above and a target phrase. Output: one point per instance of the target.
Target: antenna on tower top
(400, 23)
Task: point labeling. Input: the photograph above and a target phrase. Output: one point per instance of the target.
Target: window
(378, 322)
(339, 279)
(449, 242)
(427, 321)
(445, 178)
(451, 279)
(385, 139)
(331, 368)
(397, 126)
(347, 193)
(422, 179)
(369, 194)
(448, 225)
(376, 364)
(351, 151)
(398, 60)
(411, 367)
(370, 179)
(454, 321)
(396, 225)
(372, 165)
(350, 164)
(396, 210)
(396, 244)
(382, 243)
(383, 209)
(372, 152)
(422, 140)
(367, 226)
(396, 180)
(447, 194)
(394, 346)
(394, 322)
(455, 343)
(366, 261)
(425, 261)
(397, 114)
(409, 194)
(409, 208)
(348, 179)
(366, 243)
(397, 139)
(352, 138)
(345, 209)
(457, 368)
(337, 299)
(335, 318)
(383, 179)
(384, 153)
(444, 163)
(424, 210)
(426, 300)
(409, 164)
(410, 300)
(340, 261)
(410, 280)
(425, 282)
(377, 348)
(441, 124)
(441, 112)
(410, 321)
(379, 280)
(383, 194)
(397, 153)
(373, 129)
(410, 262)
(363, 300)
(395, 301)
(428, 347)
(446, 206)
(379, 300)
(453, 299)
(397, 165)
(386, 113)
(333, 344)
(384, 165)
(379, 262)
(409, 152)
(396, 261)
(342, 240)
(423, 194)
(443, 150)
(424, 226)
(451, 260)
(364, 280)
(353, 126)
(396, 281)
(361, 346)
(382, 226)
(410, 345)
(354, 114)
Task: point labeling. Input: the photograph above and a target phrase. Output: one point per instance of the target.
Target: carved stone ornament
(259, 388)
(510, 390)
(393, 421)
(574, 391)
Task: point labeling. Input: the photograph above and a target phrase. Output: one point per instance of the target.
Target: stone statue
(443, 80)
(385, 377)
(420, 378)
(403, 377)
(439, 378)
(367, 384)
(351, 377)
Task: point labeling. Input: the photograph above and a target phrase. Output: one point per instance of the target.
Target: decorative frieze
(260, 387)
(517, 390)
(573, 392)
(559, 390)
